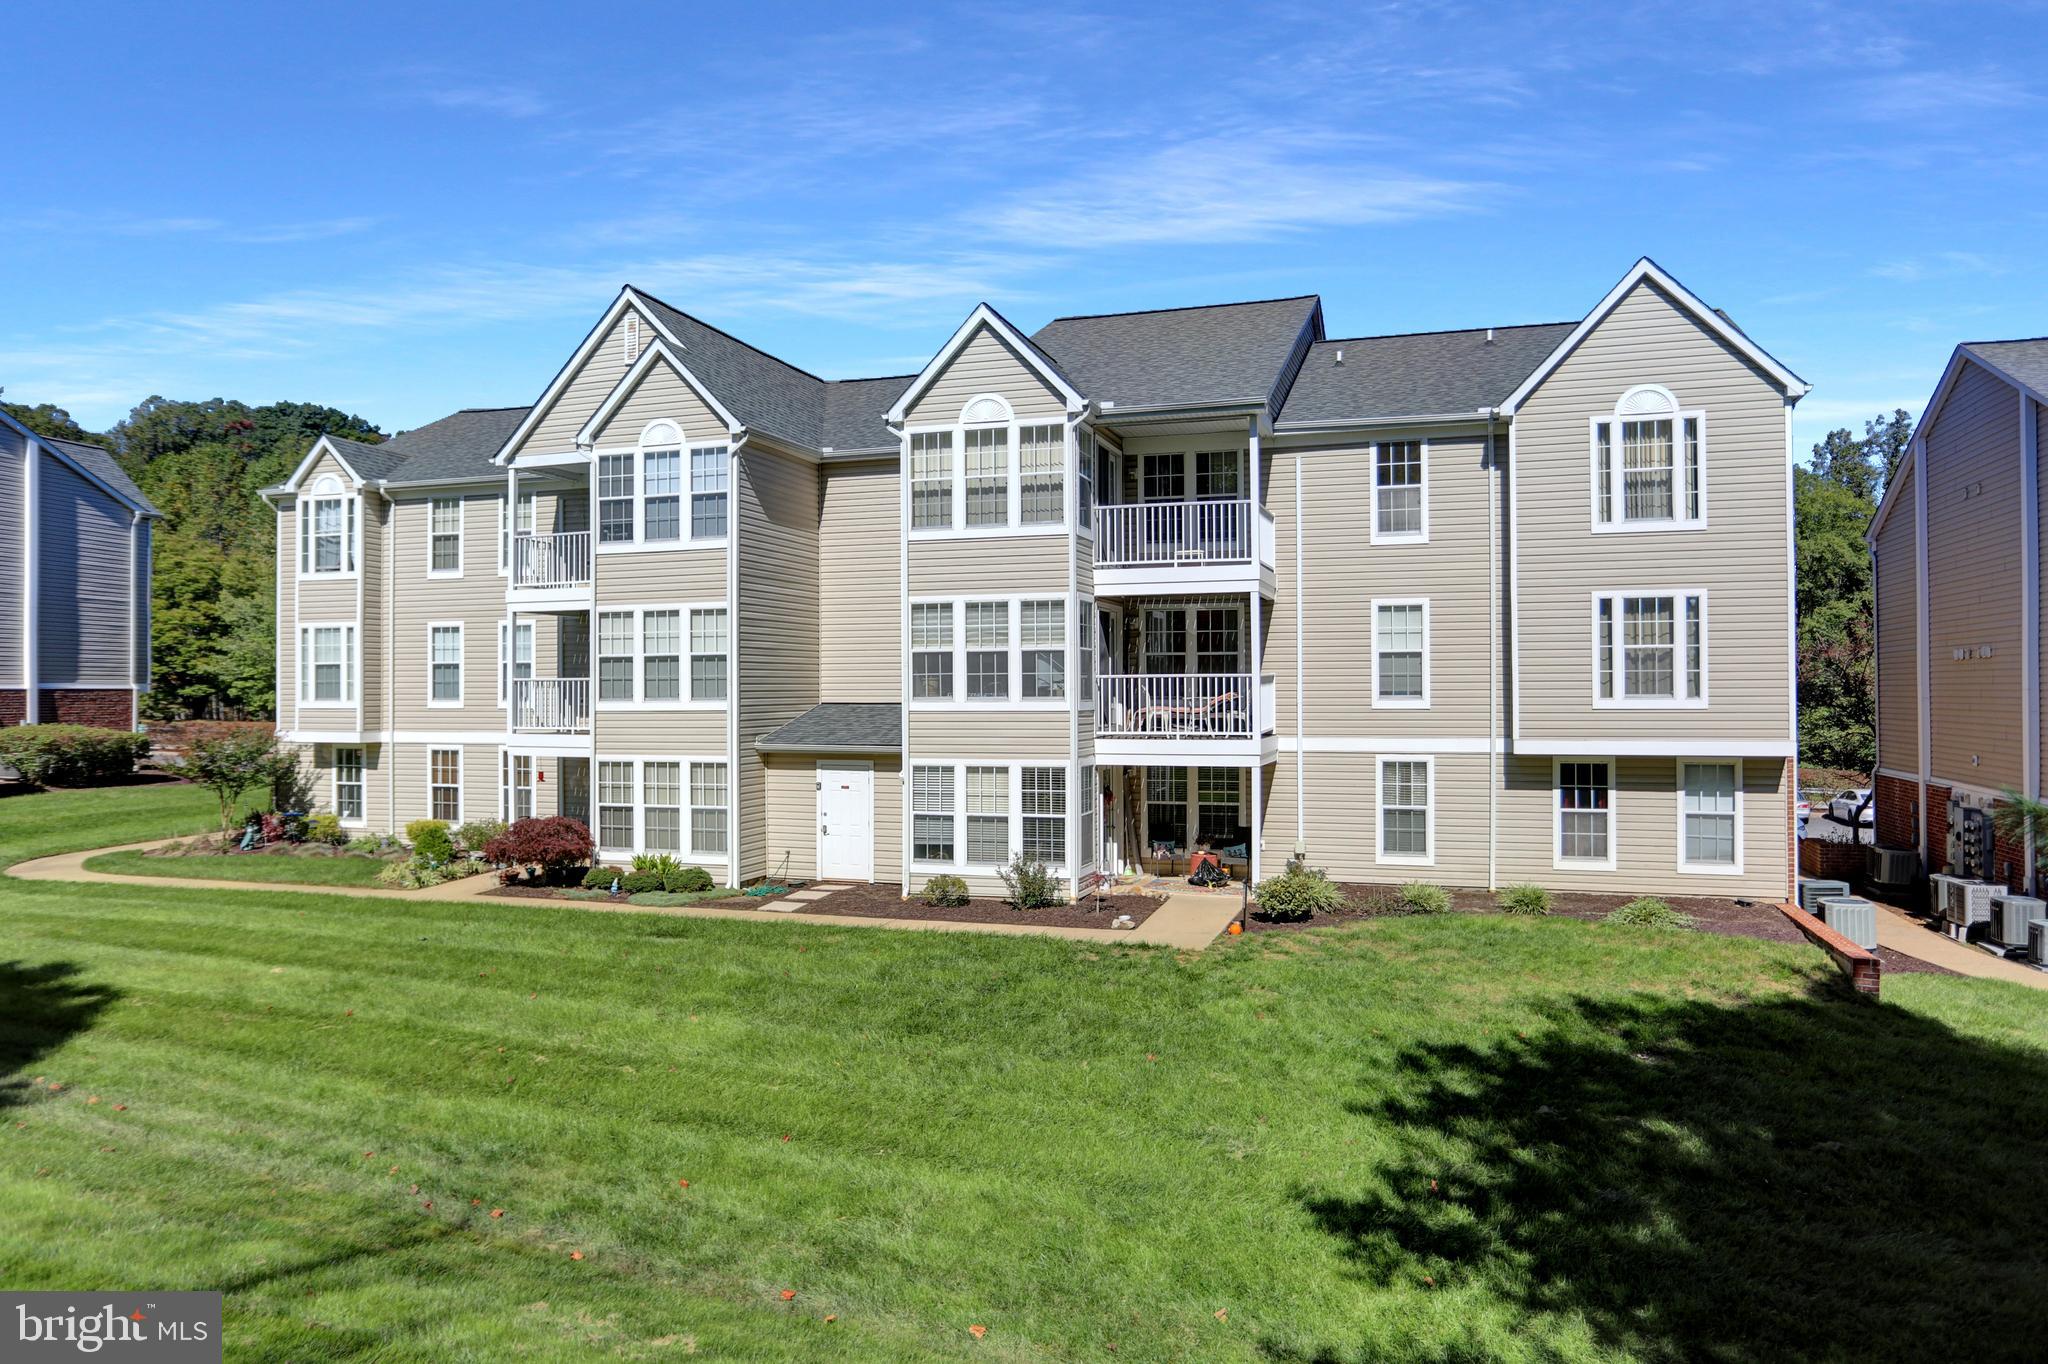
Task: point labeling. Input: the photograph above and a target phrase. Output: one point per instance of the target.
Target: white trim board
(983, 316)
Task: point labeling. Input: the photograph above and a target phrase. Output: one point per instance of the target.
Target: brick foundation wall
(13, 706)
(108, 709)
(1823, 859)
(2008, 861)
(1937, 827)
(1898, 824)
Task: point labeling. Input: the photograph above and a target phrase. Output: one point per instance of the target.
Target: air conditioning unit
(1966, 903)
(1894, 866)
(1852, 916)
(2037, 942)
(1811, 893)
(2010, 915)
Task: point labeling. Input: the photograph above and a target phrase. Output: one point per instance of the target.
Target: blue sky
(404, 209)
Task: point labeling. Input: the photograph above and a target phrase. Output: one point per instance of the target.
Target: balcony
(551, 705)
(1219, 545)
(551, 565)
(1149, 716)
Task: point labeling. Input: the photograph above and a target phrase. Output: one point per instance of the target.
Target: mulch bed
(886, 902)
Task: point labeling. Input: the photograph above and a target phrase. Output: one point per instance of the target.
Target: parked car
(1853, 807)
(1804, 809)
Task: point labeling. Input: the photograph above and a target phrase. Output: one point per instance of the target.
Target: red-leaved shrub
(553, 845)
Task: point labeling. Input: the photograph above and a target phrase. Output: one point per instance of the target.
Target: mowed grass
(1438, 1138)
(301, 871)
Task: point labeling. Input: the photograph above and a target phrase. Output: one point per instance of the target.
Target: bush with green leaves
(1300, 892)
(325, 828)
(601, 878)
(430, 840)
(374, 845)
(416, 873)
(1522, 899)
(473, 836)
(71, 755)
(1030, 884)
(675, 876)
(640, 882)
(1650, 912)
(944, 891)
(228, 766)
(1423, 898)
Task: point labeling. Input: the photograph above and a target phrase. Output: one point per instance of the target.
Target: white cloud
(1939, 265)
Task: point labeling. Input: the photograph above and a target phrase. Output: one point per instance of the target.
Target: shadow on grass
(1812, 1178)
(41, 1008)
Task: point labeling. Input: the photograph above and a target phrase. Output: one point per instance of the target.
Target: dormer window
(327, 529)
(1649, 463)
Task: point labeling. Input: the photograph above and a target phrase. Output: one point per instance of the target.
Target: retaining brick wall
(13, 706)
(1898, 802)
(1937, 827)
(1824, 859)
(108, 709)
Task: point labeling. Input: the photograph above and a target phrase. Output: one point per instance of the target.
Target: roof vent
(1340, 355)
(1489, 336)
(631, 339)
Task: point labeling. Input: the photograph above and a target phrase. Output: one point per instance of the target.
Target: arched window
(327, 529)
(1649, 463)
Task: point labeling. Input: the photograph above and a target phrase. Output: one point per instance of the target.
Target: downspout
(1495, 625)
(388, 749)
(1300, 647)
(734, 782)
(31, 666)
(2030, 617)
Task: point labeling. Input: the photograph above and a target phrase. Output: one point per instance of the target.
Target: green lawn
(301, 871)
(1451, 1138)
(51, 822)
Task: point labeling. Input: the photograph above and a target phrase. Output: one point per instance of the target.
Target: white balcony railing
(558, 560)
(1143, 534)
(1182, 705)
(550, 705)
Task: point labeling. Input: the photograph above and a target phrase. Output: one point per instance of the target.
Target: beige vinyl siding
(948, 566)
(660, 394)
(777, 620)
(986, 364)
(698, 731)
(13, 572)
(860, 617)
(991, 735)
(1739, 560)
(372, 638)
(889, 820)
(645, 577)
(588, 386)
(1280, 615)
(321, 597)
(1973, 583)
(1898, 640)
(480, 782)
(1342, 833)
(790, 814)
(476, 601)
(287, 615)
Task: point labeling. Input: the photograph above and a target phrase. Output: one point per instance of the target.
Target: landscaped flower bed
(887, 902)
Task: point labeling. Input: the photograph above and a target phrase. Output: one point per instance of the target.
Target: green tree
(47, 419)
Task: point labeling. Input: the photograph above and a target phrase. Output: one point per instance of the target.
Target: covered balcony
(1180, 676)
(547, 549)
(550, 705)
(542, 562)
(1224, 543)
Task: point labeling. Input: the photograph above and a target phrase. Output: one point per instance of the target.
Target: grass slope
(50, 822)
(1441, 1138)
(300, 871)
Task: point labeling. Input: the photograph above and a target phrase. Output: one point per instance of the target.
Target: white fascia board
(1659, 748)
(661, 349)
(627, 298)
(983, 315)
(291, 485)
(1647, 269)
(36, 443)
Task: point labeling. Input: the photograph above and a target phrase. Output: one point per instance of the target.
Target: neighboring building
(1956, 545)
(74, 583)
(1478, 606)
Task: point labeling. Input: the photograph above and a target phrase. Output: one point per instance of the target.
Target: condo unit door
(846, 821)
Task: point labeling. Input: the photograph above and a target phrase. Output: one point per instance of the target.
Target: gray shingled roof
(102, 465)
(767, 395)
(839, 727)
(1423, 374)
(2026, 361)
(854, 409)
(1229, 352)
(459, 445)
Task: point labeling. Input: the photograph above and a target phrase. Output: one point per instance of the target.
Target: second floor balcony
(1208, 543)
(550, 705)
(559, 562)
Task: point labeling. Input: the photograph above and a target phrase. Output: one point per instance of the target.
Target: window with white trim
(1084, 481)
(661, 655)
(931, 813)
(1404, 800)
(518, 665)
(444, 665)
(516, 795)
(615, 655)
(348, 785)
(444, 784)
(327, 665)
(1087, 846)
(988, 816)
(614, 806)
(614, 499)
(988, 475)
(1219, 475)
(1400, 496)
(931, 650)
(1084, 651)
(661, 511)
(444, 537)
(988, 650)
(1649, 649)
(931, 480)
(661, 807)
(1219, 805)
(524, 523)
(1585, 813)
(1044, 805)
(643, 655)
(1041, 490)
(708, 652)
(1400, 653)
(1649, 463)
(1166, 810)
(1043, 634)
(708, 786)
(327, 530)
(710, 480)
(1710, 808)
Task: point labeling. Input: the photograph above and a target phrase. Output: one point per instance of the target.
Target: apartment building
(1479, 606)
(1956, 549)
(74, 583)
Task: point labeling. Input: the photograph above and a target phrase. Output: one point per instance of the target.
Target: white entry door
(846, 821)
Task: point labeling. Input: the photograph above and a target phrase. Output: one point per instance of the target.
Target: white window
(1084, 482)
(710, 475)
(1044, 804)
(615, 656)
(1041, 491)
(1043, 634)
(614, 499)
(931, 480)
(1166, 811)
(517, 666)
(444, 665)
(1400, 654)
(661, 807)
(1710, 816)
(348, 784)
(708, 649)
(516, 795)
(1164, 477)
(1649, 463)
(615, 806)
(1219, 475)
(643, 656)
(988, 476)
(1649, 649)
(1405, 810)
(931, 813)
(931, 650)
(444, 784)
(661, 477)
(327, 665)
(988, 650)
(1084, 651)
(988, 816)
(444, 537)
(661, 655)
(1219, 806)
(1584, 810)
(708, 809)
(1400, 493)
(1087, 847)
(327, 530)
(523, 524)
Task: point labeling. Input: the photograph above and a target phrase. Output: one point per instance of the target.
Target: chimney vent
(1340, 355)
(1489, 336)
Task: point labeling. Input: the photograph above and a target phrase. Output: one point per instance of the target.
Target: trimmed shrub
(1522, 899)
(473, 836)
(944, 892)
(1650, 912)
(1298, 893)
(415, 874)
(430, 840)
(640, 882)
(675, 877)
(552, 846)
(692, 880)
(600, 878)
(1030, 884)
(325, 828)
(71, 755)
(1424, 898)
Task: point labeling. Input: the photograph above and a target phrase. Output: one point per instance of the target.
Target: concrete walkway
(1189, 922)
(1901, 932)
